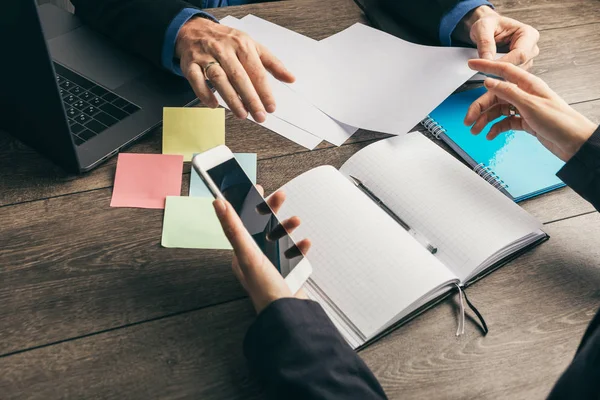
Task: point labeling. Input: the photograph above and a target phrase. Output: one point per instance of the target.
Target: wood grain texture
(550, 14)
(537, 308)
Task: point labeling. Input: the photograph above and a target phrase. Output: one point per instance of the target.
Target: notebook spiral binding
(433, 127)
(490, 176)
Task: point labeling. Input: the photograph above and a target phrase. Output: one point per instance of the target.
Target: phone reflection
(257, 217)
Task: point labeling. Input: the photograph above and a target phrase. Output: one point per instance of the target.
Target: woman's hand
(256, 273)
(235, 64)
(539, 110)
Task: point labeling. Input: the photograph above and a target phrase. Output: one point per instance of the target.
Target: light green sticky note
(246, 160)
(192, 130)
(191, 223)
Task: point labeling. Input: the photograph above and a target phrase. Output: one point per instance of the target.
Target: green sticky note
(191, 223)
(246, 160)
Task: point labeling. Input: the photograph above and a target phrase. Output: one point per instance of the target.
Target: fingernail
(260, 116)
(270, 108)
(487, 56)
(219, 206)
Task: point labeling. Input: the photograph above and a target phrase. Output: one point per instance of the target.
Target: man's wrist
(475, 15)
(196, 22)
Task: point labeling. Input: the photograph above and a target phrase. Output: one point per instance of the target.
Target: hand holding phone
(253, 269)
(263, 242)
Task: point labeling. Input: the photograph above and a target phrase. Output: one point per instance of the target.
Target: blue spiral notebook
(515, 162)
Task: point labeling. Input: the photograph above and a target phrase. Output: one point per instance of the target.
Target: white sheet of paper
(283, 128)
(388, 87)
(292, 107)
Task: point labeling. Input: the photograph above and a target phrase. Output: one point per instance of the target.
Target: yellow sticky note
(192, 130)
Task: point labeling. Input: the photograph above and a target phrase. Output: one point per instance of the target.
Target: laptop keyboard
(90, 108)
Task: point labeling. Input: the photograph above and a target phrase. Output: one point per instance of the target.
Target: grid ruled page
(461, 214)
(362, 260)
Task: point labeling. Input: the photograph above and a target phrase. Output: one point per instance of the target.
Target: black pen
(432, 249)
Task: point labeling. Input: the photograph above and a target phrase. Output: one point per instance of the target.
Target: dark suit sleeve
(138, 25)
(581, 380)
(298, 354)
(424, 16)
(582, 171)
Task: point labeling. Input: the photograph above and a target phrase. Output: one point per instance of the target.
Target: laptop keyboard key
(86, 134)
(97, 101)
(82, 118)
(113, 111)
(130, 108)
(87, 96)
(78, 140)
(70, 99)
(95, 126)
(77, 90)
(109, 97)
(90, 111)
(120, 102)
(66, 85)
(105, 119)
(72, 112)
(76, 128)
(98, 91)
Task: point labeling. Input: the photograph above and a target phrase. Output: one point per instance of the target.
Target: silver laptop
(72, 94)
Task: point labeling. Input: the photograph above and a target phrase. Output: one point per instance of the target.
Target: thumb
(482, 34)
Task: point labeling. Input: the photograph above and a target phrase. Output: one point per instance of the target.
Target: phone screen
(257, 217)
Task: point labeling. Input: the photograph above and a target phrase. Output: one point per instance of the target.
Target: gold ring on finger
(207, 67)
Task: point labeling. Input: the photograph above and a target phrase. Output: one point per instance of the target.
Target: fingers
(274, 203)
(513, 74)
(523, 46)
(282, 229)
(195, 77)
(488, 116)
(258, 76)
(219, 79)
(240, 81)
(482, 34)
(301, 248)
(510, 123)
(236, 233)
(508, 92)
(273, 65)
(479, 106)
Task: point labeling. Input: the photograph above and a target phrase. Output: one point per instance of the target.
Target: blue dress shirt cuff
(168, 50)
(452, 19)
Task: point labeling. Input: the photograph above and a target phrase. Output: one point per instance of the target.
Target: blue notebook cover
(515, 160)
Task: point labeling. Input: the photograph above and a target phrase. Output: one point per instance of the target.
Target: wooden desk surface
(92, 307)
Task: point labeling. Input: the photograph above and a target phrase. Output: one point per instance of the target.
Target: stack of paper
(358, 78)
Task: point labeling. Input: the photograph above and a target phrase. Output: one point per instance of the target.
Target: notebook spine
(433, 127)
(490, 176)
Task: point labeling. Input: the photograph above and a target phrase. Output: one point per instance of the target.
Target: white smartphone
(226, 179)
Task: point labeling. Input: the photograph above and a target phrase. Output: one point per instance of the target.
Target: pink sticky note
(145, 180)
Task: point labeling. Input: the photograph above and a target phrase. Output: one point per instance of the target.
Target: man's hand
(240, 76)
(488, 30)
(538, 110)
(253, 269)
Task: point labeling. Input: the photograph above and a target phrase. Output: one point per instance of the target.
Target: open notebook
(369, 273)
